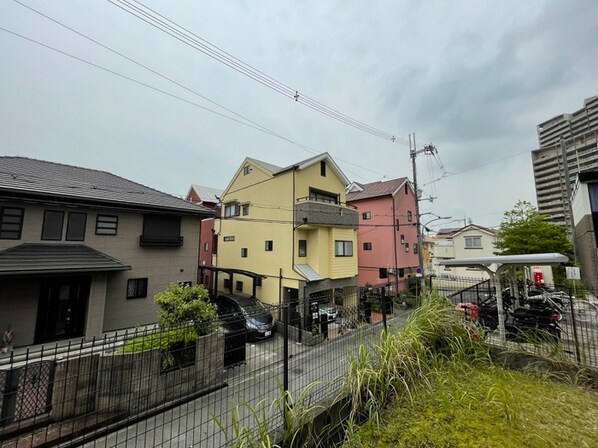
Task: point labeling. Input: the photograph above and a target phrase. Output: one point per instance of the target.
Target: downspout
(394, 234)
(293, 233)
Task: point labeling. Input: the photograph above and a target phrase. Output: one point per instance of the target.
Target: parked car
(247, 313)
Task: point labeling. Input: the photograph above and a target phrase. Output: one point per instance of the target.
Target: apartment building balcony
(310, 212)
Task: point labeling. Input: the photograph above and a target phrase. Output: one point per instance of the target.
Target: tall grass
(396, 363)
(296, 413)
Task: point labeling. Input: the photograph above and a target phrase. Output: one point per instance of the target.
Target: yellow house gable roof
(275, 170)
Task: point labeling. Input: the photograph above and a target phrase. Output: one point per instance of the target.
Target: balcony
(309, 212)
(160, 241)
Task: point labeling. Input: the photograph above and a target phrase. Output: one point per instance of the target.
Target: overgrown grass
(397, 363)
(482, 405)
(297, 422)
(434, 385)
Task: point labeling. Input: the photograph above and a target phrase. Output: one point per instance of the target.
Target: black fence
(556, 321)
(155, 386)
(152, 386)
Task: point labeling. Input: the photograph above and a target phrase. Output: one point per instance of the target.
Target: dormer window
(323, 168)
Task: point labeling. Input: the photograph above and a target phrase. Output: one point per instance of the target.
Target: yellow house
(292, 227)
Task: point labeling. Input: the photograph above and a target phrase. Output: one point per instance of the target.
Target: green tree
(182, 304)
(525, 231)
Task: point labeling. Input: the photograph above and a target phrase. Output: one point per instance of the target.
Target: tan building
(83, 252)
(292, 227)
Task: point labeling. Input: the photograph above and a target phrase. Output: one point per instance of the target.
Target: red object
(470, 309)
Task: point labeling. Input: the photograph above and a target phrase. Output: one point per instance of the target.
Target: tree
(525, 231)
(182, 304)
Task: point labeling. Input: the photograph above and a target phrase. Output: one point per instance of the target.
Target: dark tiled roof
(55, 258)
(31, 177)
(376, 189)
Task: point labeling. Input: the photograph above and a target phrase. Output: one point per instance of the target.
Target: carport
(255, 277)
(503, 262)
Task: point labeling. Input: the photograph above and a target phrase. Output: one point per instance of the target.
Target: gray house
(84, 251)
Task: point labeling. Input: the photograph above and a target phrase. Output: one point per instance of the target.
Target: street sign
(572, 273)
(418, 272)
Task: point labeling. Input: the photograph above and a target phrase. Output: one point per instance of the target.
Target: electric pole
(413, 152)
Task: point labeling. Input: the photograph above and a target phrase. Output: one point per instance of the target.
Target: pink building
(387, 234)
(210, 198)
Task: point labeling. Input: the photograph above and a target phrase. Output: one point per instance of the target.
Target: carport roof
(26, 259)
(508, 260)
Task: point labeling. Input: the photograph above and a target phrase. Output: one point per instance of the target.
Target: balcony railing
(317, 213)
(160, 241)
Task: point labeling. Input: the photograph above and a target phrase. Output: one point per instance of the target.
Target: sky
(472, 78)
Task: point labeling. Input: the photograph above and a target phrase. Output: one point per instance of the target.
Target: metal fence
(550, 320)
(153, 386)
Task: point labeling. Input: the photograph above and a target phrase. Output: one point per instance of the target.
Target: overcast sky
(472, 77)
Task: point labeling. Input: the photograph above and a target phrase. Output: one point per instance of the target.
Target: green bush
(181, 304)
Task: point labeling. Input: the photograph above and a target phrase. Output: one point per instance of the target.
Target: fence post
(575, 338)
(285, 378)
(383, 306)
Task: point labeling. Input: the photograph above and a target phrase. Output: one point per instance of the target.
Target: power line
(264, 129)
(196, 42)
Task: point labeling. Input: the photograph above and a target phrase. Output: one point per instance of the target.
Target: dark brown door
(62, 308)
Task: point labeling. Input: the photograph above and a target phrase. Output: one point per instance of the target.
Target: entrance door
(62, 308)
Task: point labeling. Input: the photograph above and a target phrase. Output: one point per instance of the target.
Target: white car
(330, 310)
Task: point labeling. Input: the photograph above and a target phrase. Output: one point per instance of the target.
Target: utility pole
(413, 152)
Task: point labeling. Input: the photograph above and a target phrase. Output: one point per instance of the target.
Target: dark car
(245, 313)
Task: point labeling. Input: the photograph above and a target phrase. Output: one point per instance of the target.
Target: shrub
(181, 304)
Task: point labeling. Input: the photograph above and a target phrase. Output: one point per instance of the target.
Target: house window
(52, 227)
(367, 246)
(243, 252)
(409, 216)
(258, 281)
(366, 215)
(246, 170)
(302, 248)
(322, 196)
(227, 283)
(402, 239)
(231, 210)
(161, 230)
(75, 226)
(136, 288)
(229, 238)
(406, 188)
(343, 248)
(415, 249)
(11, 223)
(473, 242)
(323, 168)
(206, 246)
(106, 225)
(406, 247)
(269, 245)
(246, 210)
(239, 286)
